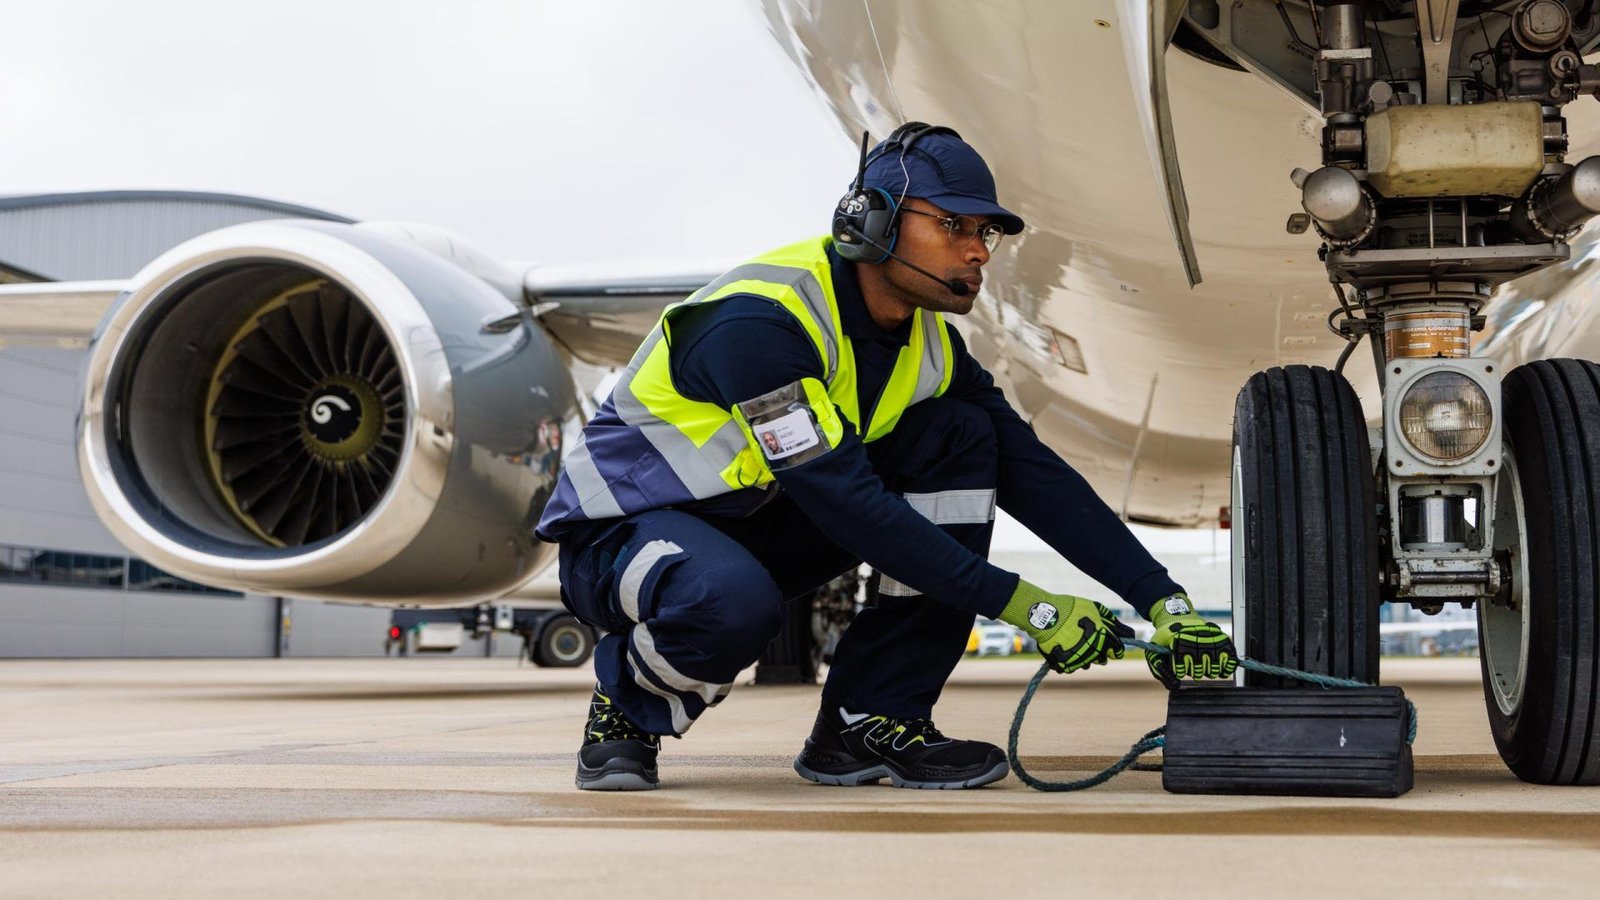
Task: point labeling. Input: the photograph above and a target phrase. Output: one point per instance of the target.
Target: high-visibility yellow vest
(650, 446)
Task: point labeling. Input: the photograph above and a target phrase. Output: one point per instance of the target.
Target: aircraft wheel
(1304, 527)
(1539, 641)
(564, 643)
(811, 629)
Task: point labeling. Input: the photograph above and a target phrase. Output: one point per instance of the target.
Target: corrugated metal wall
(75, 237)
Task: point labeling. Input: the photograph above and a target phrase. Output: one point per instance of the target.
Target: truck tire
(1539, 642)
(1304, 527)
(563, 643)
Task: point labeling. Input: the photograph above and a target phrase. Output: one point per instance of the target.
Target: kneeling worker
(808, 411)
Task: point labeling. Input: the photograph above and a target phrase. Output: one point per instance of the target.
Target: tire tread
(1552, 413)
(1311, 600)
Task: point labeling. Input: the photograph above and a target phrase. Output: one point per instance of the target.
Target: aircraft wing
(602, 315)
(599, 313)
(53, 312)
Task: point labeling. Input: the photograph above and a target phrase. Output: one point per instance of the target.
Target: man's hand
(1199, 648)
(1073, 633)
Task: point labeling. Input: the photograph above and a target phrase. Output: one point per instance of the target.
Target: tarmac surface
(446, 777)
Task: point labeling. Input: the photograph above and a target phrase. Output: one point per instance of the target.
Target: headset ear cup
(870, 213)
(847, 220)
(879, 226)
(866, 224)
(854, 249)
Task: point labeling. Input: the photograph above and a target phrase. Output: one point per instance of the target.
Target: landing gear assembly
(810, 632)
(1443, 176)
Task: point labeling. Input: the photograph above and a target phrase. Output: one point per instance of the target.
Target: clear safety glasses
(965, 228)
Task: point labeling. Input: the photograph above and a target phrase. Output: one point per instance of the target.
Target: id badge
(785, 427)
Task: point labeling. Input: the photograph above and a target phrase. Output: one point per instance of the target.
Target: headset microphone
(953, 285)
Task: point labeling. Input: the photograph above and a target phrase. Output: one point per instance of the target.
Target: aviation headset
(866, 223)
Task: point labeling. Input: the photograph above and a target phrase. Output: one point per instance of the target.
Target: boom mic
(953, 285)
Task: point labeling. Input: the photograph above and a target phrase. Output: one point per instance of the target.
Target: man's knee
(752, 611)
(736, 608)
(959, 427)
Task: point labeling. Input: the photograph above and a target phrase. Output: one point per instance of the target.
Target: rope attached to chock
(1156, 738)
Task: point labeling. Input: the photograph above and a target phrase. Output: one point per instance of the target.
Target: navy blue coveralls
(710, 579)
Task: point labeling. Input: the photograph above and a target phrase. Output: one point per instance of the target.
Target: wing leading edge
(602, 318)
(54, 311)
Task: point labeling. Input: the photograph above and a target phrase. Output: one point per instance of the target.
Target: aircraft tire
(1304, 520)
(1548, 647)
(564, 643)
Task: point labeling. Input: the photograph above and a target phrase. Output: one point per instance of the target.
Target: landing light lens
(1445, 416)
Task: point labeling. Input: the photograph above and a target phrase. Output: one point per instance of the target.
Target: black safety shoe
(857, 748)
(616, 755)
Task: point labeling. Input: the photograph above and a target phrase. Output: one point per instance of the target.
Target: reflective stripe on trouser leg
(638, 569)
(686, 697)
(968, 507)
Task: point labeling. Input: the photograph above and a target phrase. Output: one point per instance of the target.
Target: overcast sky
(554, 132)
(544, 131)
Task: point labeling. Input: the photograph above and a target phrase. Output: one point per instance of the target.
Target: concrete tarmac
(450, 777)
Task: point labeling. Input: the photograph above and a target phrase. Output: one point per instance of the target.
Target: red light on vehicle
(394, 632)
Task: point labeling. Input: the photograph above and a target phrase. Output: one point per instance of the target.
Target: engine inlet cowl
(315, 409)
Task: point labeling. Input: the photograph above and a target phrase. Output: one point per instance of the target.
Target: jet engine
(324, 410)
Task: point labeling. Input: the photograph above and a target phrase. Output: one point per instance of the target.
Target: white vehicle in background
(996, 638)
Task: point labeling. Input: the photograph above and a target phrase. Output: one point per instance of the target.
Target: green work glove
(1073, 633)
(1200, 649)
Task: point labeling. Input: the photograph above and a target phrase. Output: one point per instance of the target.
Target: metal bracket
(1447, 579)
(1436, 26)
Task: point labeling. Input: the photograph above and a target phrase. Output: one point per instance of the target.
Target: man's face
(926, 241)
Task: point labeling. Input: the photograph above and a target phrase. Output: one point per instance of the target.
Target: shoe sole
(613, 777)
(875, 773)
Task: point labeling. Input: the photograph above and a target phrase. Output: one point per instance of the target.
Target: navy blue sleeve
(718, 349)
(1041, 491)
(742, 351)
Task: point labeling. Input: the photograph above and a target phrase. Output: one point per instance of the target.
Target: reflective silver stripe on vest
(638, 569)
(888, 587)
(696, 467)
(594, 496)
(972, 507)
(931, 373)
(700, 467)
(699, 474)
(968, 507)
(644, 643)
(804, 283)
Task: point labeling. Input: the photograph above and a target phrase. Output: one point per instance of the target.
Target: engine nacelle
(318, 409)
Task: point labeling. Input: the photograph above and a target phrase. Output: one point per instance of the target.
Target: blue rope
(1157, 737)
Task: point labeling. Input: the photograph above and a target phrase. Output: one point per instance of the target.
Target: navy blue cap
(946, 172)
